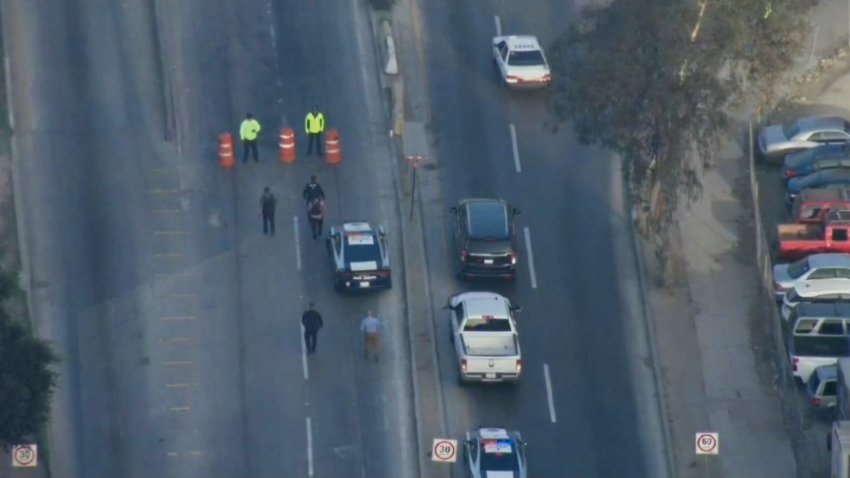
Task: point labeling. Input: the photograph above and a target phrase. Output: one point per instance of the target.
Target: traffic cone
(333, 149)
(225, 151)
(286, 144)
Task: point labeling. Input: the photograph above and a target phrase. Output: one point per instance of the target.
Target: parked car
(484, 238)
(827, 156)
(822, 388)
(821, 179)
(800, 240)
(816, 341)
(814, 268)
(776, 141)
(830, 295)
(812, 205)
(521, 61)
(494, 453)
(359, 256)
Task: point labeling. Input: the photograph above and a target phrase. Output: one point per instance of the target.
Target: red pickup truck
(812, 205)
(800, 240)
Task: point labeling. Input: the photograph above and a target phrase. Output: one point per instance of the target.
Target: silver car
(815, 267)
(521, 61)
(494, 452)
(776, 141)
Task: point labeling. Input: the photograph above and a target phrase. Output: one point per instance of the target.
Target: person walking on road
(313, 190)
(248, 131)
(267, 205)
(314, 125)
(316, 215)
(311, 320)
(371, 328)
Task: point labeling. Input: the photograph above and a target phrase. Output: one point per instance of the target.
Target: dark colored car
(828, 156)
(494, 452)
(821, 179)
(484, 239)
(359, 257)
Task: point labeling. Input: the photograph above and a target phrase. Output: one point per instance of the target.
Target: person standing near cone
(314, 125)
(316, 215)
(248, 132)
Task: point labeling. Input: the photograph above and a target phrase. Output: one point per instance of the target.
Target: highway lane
(177, 318)
(580, 314)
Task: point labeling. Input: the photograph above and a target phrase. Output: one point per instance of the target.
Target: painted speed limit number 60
(24, 456)
(707, 443)
(444, 450)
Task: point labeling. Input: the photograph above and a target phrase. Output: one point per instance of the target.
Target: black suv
(484, 238)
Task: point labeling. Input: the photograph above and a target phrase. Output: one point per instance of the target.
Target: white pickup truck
(485, 337)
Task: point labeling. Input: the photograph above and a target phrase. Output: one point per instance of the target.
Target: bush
(382, 4)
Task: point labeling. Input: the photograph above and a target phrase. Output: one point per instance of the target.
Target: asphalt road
(177, 320)
(585, 403)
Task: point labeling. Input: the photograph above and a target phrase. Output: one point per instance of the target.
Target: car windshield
(499, 455)
(798, 268)
(488, 221)
(791, 130)
(526, 58)
(487, 324)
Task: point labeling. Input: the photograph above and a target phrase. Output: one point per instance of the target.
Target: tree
(653, 79)
(26, 380)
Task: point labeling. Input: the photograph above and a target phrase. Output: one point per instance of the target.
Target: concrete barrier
(391, 67)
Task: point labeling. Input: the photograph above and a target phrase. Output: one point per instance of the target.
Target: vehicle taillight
(547, 77)
(513, 258)
(463, 364)
(794, 362)
(816, 402)
(511, 79)
(790, 173)
(463, 255)
(519, 366)
(777, 286)
(384, 273)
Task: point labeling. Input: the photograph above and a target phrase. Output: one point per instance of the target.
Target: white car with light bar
(485, 337)
(521, 61)
(359, 257)
(494, 453)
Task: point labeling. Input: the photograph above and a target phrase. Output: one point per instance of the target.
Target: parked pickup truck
(800, 240)
(484, 334)
(812, 205)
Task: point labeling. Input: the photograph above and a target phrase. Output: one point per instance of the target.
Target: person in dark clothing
(313, 190)
(312, 322)
(267, 205)
(316, 216)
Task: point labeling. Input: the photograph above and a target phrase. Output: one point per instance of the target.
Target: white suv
(816, 267)
(827, 290)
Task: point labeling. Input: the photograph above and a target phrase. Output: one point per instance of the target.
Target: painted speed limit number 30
(707, 443)
(24, 456)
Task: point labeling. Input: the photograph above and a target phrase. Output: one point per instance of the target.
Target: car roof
(817, 123)
(487, 218)
(827, 372)
(484, 304)
(826, 286)
(823, 309)
(522, 42)
(829, 259)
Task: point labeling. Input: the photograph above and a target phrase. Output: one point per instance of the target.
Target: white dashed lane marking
(530, 258)
(515, 148)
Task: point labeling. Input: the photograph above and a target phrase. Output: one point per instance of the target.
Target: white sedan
(521, 61)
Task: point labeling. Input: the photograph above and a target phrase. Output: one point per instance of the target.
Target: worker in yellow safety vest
(314, 125)
(248, 131)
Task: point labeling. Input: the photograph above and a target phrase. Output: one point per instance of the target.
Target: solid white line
(549, 393)
(7, 66)
(297, 243)
(498, 26)
(516, 150)
(304, 356)
(530, 259)
(309, 448)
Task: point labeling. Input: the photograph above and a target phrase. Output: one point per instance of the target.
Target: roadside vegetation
(654, 79)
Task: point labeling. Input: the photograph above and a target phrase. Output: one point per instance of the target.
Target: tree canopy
(653, 80)
(26, 377)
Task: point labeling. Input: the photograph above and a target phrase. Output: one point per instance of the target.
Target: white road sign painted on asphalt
(707, 443)
(444, 450)
(24, 456)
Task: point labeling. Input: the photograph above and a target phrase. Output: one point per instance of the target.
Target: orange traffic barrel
(333, 154)
(225, 151)
(286, 144)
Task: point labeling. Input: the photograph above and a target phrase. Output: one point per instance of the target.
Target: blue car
(828, 156)
(821, 179)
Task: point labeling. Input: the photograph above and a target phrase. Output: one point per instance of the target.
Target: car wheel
(460, 381)
(458, 270)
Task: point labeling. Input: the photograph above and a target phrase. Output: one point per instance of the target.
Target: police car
(521, 62)
(494, 453)
(359, 256)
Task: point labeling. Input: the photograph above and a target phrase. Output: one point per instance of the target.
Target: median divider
(391, 67)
